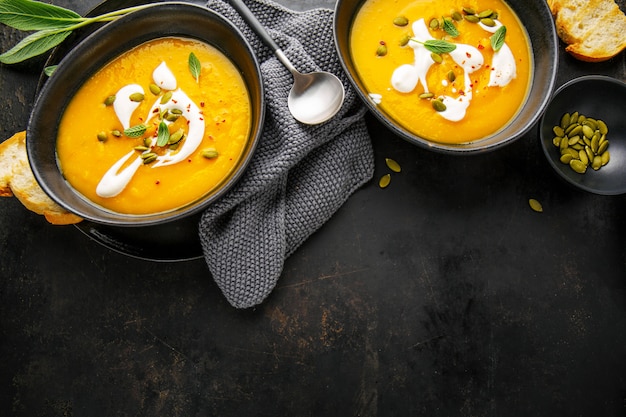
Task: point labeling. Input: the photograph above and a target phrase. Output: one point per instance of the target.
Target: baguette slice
(17, 179)
(594, 30)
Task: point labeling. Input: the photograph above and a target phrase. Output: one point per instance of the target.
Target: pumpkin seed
(587, 131)
(472, 18)
(558, 130)
(381, 50)
(578, 166)
(566, 158)
(603, 147)
(136, 97)
(575, 130)
(434, 23)
(438, 105)
(109, 100)
(556, 141)
(426, 95)
(451, 76)
(384, 181)
(535, 205)
(485, 13)
(457, 16)
(210, 153)
(596, 163)
(151, 158)
(591, 123)
(606, 157)
(565, 121)
(155, 89)
(116, 133)
(436, 58)
(487, 21)
(404, 41)
(602, 127)
(166, 97)
(102, 136)
(176, 136)
(573, 140)
(393, 165)
(469, 10)
(141, 148)
(573, 118)
(582, 155)
(400, 21)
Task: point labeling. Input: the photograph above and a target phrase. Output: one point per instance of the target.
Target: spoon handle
(251, 19)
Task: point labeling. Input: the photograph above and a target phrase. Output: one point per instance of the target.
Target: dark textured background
(442, 295)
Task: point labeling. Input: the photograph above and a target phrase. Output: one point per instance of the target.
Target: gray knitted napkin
(299, 175)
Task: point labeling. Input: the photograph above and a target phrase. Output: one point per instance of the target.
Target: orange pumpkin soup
(451, 71)
(156, 128)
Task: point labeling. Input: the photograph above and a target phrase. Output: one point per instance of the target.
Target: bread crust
(17, 179)
(593, 30)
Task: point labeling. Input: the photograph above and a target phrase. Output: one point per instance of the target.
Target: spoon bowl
(314, 97)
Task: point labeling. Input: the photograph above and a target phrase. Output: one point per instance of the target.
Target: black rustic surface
(442, 295)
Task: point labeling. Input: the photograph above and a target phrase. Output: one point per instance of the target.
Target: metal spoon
(314, 97)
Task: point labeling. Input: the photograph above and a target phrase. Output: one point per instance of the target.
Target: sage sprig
(51, 25)
(437, 46)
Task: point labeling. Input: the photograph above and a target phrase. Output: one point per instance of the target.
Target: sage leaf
(34, 15)
(195, 66)
(497, 39)
(449, 27)
(439, 46)
(33, 45)
(49, 70)
(135, 131)
(163, 135)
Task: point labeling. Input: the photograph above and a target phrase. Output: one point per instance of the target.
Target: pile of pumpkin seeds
(582, 142)
(384, 181)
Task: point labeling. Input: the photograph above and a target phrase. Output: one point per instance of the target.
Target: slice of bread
(594, 30)
(17, 179)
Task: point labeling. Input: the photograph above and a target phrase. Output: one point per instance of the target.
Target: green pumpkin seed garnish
(109, 100)
(426, 95)
(451, 76)
(209, 153)
(487, 21)
(166, 97)
(438, 105)
(148, 158)
(384, 181)
(400, 21)
(141, 148)
(116, 133)
(176, 136)
(102, 136)
(469, 10)
(457, 16)
(136, 97)
(472, 18)
(485, 13)
(434, 23)
(404, 41)
(436, 58)
(155, 89)
(535, 205)
(393, 165)
(381, 50)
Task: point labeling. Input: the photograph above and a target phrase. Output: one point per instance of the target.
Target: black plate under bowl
(599, 97)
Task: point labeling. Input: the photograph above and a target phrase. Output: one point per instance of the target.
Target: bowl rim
(101, 215)
(457, 149)
(558, 167)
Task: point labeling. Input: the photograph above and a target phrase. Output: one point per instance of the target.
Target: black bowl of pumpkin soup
(453, 76)
(148, 119)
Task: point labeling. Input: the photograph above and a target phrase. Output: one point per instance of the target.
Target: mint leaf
(135, 131)
(195, 66)
(497, 39)
(163, 135)
(439, 46)
(449, 27)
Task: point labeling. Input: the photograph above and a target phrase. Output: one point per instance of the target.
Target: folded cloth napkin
(299, 175)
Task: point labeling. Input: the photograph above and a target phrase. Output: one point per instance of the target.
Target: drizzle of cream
(116, 179)
(123, 105)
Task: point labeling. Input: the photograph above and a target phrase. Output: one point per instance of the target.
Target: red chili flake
(189, 160)
(157, 182)
(201, 118)
(481, 47)
(202, 104)
(223, 120)
(174, 101)
(156, 110)
(382, 42)
(467, 54)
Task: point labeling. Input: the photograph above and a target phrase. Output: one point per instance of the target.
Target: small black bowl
(599, 97)
(96, 50)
